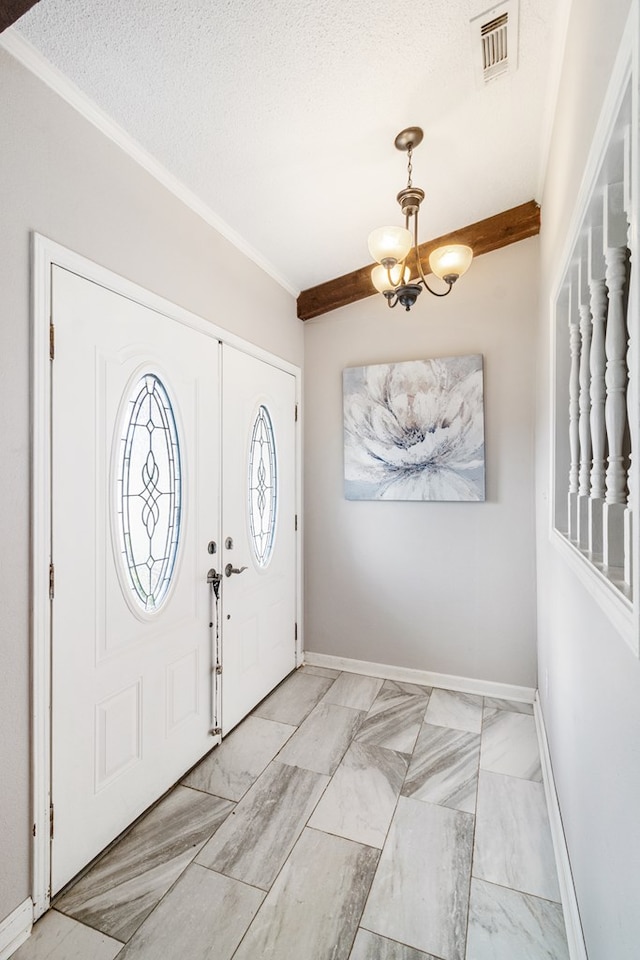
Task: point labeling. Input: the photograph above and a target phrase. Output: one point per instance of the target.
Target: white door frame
(45, 254)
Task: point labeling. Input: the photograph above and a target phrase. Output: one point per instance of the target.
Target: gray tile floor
(348, 818)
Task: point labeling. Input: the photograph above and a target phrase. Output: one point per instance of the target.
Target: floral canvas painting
(415, 430)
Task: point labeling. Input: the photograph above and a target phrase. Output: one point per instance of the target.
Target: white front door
(135, 495)
(259, 531)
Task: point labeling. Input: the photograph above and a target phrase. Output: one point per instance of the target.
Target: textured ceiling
(281, 114)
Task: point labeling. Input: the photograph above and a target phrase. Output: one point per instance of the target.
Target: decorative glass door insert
(263, 487)
(149, 492)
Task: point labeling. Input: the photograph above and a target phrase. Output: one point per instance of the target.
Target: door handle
(229, 569)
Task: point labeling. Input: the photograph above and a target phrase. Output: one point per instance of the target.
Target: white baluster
(584, 402)
(615, 253)
(597, 364)
(616, 375)
(574, 408)
(631, 372)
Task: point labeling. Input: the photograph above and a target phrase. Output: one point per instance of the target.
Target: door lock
(214, 578)
(229, 569)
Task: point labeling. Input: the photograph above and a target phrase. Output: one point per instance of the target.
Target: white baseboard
(572, 922)
(485, 688)
(15, 929)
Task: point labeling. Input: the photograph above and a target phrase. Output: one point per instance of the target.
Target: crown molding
(26, 54)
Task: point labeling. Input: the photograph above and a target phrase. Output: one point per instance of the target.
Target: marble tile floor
(348, 818)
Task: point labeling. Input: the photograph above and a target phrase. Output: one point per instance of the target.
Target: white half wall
(64, 179)
(444, 587)
(589, 679)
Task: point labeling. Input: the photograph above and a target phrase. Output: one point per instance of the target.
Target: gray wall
(589, 679)
(61, 177)
(445, 587)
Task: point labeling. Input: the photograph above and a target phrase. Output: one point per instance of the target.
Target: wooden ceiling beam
(12, 10)
(483, 237)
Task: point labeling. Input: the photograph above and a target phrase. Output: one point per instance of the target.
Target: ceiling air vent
(494, 36)
(495, 47)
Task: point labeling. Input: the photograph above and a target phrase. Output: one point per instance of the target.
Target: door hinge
(51, 821)
(52, 581)
(296, 526)
(218, 668)
(295, 632)
(52, 341)
(296, 412)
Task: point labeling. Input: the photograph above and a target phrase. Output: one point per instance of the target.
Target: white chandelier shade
(385, 280)
(454, 259)
(390, 245)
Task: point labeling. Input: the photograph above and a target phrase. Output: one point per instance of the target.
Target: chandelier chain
(409, 164)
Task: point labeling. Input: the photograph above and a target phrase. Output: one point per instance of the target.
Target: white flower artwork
(414, 430)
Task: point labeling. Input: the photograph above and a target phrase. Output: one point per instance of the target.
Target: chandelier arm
(423, 279)
(417, 252)
(389, 296)
(435, 292)
(400, 267)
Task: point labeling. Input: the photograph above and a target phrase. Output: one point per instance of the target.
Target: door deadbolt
(228, 543)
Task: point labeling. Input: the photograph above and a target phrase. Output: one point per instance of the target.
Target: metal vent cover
(494, 37)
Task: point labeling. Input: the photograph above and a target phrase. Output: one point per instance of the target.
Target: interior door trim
(45, 254)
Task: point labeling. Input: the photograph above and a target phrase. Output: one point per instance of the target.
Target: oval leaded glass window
(149, 492)
(263, 487)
